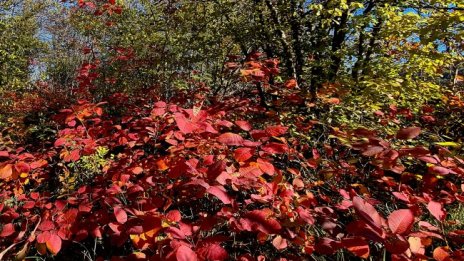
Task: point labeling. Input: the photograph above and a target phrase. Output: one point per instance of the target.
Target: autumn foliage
(266, 174)
(219, 181)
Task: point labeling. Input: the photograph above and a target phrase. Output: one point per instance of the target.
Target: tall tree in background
(384, 49)
(19, 43)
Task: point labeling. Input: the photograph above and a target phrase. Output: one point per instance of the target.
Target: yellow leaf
(152, 233)
(448, 144)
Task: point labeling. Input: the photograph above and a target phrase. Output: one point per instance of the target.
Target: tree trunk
(337, 42)
(287, 50)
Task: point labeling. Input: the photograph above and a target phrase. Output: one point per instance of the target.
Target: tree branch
(442, 8)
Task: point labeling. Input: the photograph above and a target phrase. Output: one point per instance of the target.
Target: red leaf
(361, 228)
(327, 246)
(212, 252)
(60, 142)
(358, 246)
(266, 166)
(115, 227)
(22, 167)
(215, 169)
(72, 123)
(38, 164)
(231, 65)
(441, 170)
(120, 214)
(220, 193)
(244, 125)
(259, 220)
(250, 143)
(6, 171)
(90, 5)
(85, 207)
(225, 123)
(279, 243)
(54, 244)
(252, 170)
(29, 204)
(174, 232)
(4, 154)
(72, 156)
(367, 212)
(372, 151)
(174, 215)
(305, 216)
(231, 139)
(436, 209)
(396, 244)
(43, 237)
(400, 221)
(98, 111)
(243, 154)
(158, 112)
(408, 133)
(275, 148)
(178, 169)
(7, 230)
(185, 253)
(46, 225)
(401, 196)
(184, 125)
(276, 130)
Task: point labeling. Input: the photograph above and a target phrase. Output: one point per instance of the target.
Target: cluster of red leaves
(206, 184)
(211, 183)
(422, 194)
(99, 7)
(254, 67)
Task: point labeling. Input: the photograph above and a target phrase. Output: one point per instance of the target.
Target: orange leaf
(6, 171)
(441, 254)
(54, 244)
(334, 100)
(415, 245)
(290, 84)
(137, 170)
(161, 165)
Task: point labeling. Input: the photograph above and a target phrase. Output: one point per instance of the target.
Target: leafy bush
(352, 150)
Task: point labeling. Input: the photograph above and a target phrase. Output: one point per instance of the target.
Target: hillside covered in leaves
(231, 130)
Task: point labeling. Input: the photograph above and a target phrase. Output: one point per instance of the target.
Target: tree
(19, 44)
